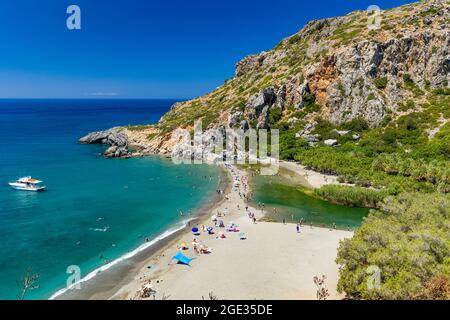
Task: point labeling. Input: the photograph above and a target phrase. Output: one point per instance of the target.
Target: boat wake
(104, 229)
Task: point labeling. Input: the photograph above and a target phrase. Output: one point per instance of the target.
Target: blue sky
(143, 48)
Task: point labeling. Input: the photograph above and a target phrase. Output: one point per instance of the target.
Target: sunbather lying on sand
(205, 249)
(221, 235)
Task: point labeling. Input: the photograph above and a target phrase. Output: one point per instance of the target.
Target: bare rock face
(117, 152)
(281, 97)
(249, 64)
(234, 119)
(258, 102)
(354, 94)
(263, 121)
(244, 125)
(303, 89)
(258, 107)
(114, 138)
(307, 134)
(331, 142)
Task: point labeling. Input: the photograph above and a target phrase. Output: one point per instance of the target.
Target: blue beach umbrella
(195, 230)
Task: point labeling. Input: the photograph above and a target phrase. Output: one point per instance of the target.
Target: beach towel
(182, 259)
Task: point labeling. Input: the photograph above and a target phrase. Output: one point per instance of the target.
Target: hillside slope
(348, 99)
(334, 68)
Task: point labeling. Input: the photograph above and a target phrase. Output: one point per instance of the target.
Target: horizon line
(99, 98)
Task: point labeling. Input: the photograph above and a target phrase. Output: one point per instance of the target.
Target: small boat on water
(27, 184)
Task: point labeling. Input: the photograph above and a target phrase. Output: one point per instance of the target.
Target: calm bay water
(95, 209)
(292, 204)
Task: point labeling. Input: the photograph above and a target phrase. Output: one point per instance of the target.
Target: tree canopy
(408, 241)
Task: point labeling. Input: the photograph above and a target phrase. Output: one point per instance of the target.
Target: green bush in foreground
(408, 240)
(352, 196)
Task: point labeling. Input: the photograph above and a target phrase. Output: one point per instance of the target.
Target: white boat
(27, 184)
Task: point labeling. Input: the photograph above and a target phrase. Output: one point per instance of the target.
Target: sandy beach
(312, 179)
(273, 262)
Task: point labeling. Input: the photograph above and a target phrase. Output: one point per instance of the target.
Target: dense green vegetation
(434, 171)
(139, 127)
(408, 241)
(398, 156)
(351, 196)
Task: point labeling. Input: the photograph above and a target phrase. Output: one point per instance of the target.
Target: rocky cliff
(364, 65)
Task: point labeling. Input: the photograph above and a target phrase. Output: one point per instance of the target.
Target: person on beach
(298, 228)
(284, 221)
(196, 249)
(254, 220)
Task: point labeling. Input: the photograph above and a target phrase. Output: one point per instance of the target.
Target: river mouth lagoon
(287, 201)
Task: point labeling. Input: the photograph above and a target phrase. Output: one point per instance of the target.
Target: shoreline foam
(128, 255)
(160, 241)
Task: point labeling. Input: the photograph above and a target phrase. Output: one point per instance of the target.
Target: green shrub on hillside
(381, 82)
(275, 115)
(352, 196)
(408, 242)
(356, 125)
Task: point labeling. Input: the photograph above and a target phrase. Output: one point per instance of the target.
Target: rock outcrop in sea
(114, 138)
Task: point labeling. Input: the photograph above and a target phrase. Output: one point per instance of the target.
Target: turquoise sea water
(95, 209)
